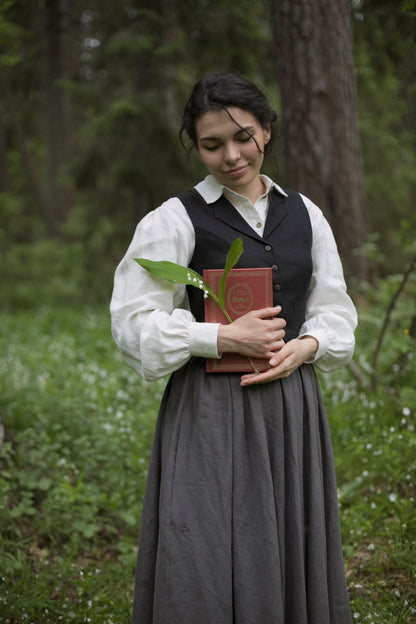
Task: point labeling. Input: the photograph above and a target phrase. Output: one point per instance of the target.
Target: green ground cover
(79, 426)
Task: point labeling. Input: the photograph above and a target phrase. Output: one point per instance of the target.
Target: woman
(240, 519)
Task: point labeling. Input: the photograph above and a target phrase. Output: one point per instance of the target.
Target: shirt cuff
(203, 338)
(322, 337)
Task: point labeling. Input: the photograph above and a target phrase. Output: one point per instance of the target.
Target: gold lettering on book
(240, 299)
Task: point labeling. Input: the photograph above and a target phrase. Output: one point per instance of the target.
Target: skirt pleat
(240, 520)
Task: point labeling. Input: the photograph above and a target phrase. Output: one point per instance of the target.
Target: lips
(236, 172)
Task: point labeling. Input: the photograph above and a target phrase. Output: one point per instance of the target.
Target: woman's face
(233, 153)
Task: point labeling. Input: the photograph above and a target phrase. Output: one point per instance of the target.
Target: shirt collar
(211, 190)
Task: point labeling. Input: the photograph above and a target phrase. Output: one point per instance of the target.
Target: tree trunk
(57, 106)
(3, 158)
(170, 33)
(321, 144)
(27, 158)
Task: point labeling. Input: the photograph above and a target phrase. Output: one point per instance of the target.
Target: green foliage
(48, 271)
(384, 42)
(233, 257)
(123, 157)
(392, 366)
(374, 436)
(10, 34)
(410, 5)
(375, 446)
(79, 426)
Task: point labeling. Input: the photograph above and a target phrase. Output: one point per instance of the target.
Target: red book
(245, 290)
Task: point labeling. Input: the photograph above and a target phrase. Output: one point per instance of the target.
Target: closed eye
(242, 139)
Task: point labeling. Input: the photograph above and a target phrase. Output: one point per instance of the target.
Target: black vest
(285, 246)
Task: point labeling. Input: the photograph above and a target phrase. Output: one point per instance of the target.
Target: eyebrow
(247, 129)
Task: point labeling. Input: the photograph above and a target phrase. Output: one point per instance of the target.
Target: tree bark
(321, 145)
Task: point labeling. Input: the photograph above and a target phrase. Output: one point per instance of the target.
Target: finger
(280, 355)
(275, 325)
(276, 348)
(259, 378)
(279, 334)
(275, 372)
(266, 312)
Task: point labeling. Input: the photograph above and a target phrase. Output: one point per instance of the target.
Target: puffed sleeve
(150, 318)
(331, 317)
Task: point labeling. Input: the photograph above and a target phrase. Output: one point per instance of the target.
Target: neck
(252, 193)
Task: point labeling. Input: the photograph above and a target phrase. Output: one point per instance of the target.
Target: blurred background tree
(91, 94)
(321, 143)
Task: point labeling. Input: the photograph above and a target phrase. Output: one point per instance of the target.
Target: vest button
(277, 287)
(258, 225)
(268, 247)
(275, 267)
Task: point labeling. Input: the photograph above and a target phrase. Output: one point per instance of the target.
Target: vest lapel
(276, 213)
(224, 211)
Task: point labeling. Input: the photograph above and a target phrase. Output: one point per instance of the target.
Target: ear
(267, 133)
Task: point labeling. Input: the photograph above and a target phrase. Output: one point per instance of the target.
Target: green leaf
(44, 483)
(176, 273)
(233, 257)
(167, 270)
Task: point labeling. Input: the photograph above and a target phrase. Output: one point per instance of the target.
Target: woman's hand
(292, 355)
(256, 334)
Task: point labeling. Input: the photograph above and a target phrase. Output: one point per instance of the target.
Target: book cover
(246, 290)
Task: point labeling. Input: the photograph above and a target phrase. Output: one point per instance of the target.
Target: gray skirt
(240, 519)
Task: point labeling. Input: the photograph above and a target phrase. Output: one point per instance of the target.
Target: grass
(79, 426)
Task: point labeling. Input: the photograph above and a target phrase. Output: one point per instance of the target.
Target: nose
(232, 152)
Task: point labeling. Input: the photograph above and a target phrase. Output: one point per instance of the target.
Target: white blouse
(151, 321)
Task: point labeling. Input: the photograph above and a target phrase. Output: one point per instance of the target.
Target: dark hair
(218, 91)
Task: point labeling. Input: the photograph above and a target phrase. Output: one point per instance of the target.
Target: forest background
(91, 95)
(90, 99)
